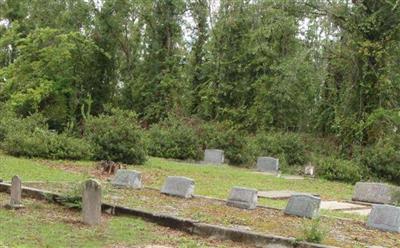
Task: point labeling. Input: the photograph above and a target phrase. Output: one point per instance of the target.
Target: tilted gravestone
(385, 217)
(303, 205)
(243, 198)
(15, 193)
(178, 186)
(214, 156)
(91, 202)
(375, 192)
(268, 164)
(128, 179)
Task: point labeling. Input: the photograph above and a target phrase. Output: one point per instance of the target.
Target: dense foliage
(249, 77)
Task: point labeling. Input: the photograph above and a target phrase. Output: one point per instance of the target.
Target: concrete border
(186, 225)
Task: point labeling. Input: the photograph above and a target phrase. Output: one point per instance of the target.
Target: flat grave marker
(178, 186)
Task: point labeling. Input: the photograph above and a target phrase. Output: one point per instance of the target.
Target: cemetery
(221, 202)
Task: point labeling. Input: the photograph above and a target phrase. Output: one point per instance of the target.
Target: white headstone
(268, 164)
(214, 156)
(385, 217)
(309, 170)
(374, 192)
(178, 186)
(243, 198)
(127, 178)
(303, 205)
(91, 202)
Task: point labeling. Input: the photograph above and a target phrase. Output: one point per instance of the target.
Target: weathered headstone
(309, 170)
(214, 156)
(15, 193)
(268, 164)
(178, 186)
(303, 205)
(91, 202)
(243, 198)
(127, 178)
(385, 217)
(375, 192)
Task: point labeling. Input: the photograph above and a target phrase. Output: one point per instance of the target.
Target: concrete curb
(186, 225)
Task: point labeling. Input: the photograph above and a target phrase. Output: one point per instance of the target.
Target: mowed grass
(47, 225)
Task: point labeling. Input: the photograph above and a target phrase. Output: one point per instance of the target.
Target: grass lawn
(46, 225)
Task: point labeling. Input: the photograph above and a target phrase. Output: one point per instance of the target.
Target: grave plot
(40, 224)
(341, 233)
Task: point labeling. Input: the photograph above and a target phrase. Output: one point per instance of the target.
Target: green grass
(47, 225)
(217, 181)
(31, 170)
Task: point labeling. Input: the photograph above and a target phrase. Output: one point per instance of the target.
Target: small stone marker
(309, 170)
(243, 198)
(385, 217)
(268, 164)
(178, 186)
(303, 205)
(15, 194)
(374, 192)
(91, 202)
(127, 178)
(214, 156)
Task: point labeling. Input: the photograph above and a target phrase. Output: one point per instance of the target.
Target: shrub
(383, 160)
(313, 232)
(288, 147)
(173, 138)
(30, 137)
(224, 136)
(116, 137)
(340, 170)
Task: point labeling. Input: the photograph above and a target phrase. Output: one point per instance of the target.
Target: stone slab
(214, 156)
(128, 179)
(267, 164)
(292, 177)
(335, 205)
(385, 217)
(363, 212)
(303, 205)
(280, 194)
(91, 202)
(178, 186)
(245, 198)
(374, 192)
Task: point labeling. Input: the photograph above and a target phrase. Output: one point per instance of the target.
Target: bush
(30, 137)
(340, 170)
(313, 232)
(288, 147)
(173, 138)
(383, 160)
(116, 137)
(223, 136)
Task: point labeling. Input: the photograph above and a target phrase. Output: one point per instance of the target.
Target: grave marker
(128, 179)
(374, 192)
(268, 164)
(243, 198)
(214, 156)
(385, 217)
(178, 186)
(303, 205)
(15, 193)
(91, 202)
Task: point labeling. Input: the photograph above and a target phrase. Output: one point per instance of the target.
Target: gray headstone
(214, 156)
(178, 186)
(243, 198)
(91, 202)
(127, 178)
(15, 193)
(374, 192)
(303, 205)
(268, 164)
(385, 217)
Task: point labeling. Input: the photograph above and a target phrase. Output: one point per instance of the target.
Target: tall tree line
(325, 67)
